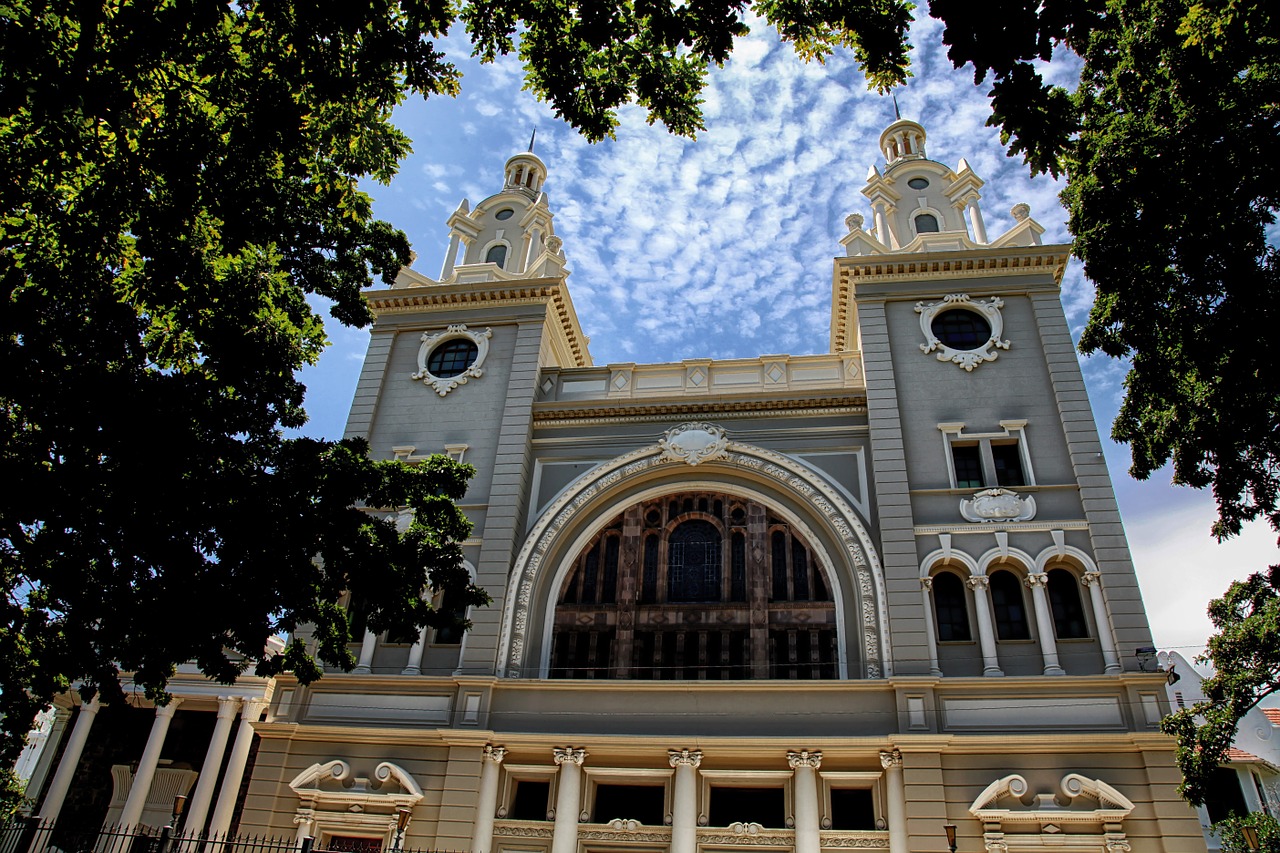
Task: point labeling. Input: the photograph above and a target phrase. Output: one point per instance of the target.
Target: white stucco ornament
(430, 340)
(998, 505)
(694, 443)
(968, 359)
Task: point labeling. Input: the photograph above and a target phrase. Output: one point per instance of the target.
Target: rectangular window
(967, 459)
(1007, 459)
(852, 808)
(765, 806)
(529, 802)
(645, 803)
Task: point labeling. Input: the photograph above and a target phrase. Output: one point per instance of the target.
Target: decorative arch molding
(997, 557)
(714, 452)
(947, 558)
(1036, 823)
(1054, 554)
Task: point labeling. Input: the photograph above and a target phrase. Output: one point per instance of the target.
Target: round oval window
(505, 213)
(451, 358)
(961, 329)
(918, 183)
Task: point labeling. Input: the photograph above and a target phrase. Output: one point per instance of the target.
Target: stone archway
(597, 492)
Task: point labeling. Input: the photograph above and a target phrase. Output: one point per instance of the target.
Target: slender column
(1039, 581)
(805, 764)
(684, 799)
(202, 797)
(306, 821)
(58, 728)
(896, 800)
(930, 631)
(66, 771)
(882, 227)
(522, 261)
(482, 835)
(365, 664)
(141, 786)
(1106, 640)
(414, 664)
(986, 625)
(450, 256)
(564, 835)
(975, 219)
(220, 823)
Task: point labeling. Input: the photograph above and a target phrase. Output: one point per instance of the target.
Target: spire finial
(532, 137)
(897, 113)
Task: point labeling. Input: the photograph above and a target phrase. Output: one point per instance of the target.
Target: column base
(1113, 669)
(1054, 670)
(361, 670)
(935, 672)
(411, 670)
(993, 672)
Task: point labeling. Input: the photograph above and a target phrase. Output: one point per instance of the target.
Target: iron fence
(32, 835)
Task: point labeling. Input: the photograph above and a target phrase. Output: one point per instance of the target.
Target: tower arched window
(497, 254)
(1068, 612)
(1009, 607)
(926, 223)
(951, 608)
(693, 562)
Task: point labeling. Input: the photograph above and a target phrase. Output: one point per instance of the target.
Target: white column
(522, 262)
(986, 625)
(930, 630)
(66, 771)
(564, 836)
(450, 256)
(896, 800)
(202, 797)
(414, 665)
(58, 728)
(684, 799)
(975, 220)
(805, 764)
(141, 786)
(882, 227)
(1093, 580)
(220, 823)
(1039, 582)
(367, 647)
(306, 821)
(487, 806)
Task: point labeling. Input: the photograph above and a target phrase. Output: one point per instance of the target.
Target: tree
(177, 179)
(1245, 653)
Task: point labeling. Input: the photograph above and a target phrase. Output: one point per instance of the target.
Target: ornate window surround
(868, 780)
(708, 779)
(344, 810)
(596, 776)
(513, 774)
(430, 340)
(966, 359)
(1037, 826)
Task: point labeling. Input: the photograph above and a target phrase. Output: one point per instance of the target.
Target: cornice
(569, 414)
(403, 300)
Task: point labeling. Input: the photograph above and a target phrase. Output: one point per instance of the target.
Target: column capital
(252, 709)
(169, 709)
(1090, 578)
(1036, 579)
(804, 758)
(977, 582)
(228, 706)
(569, 754)
(93, 706)
(684, 757)
(495, 753)
(890, 758)
(926, 584)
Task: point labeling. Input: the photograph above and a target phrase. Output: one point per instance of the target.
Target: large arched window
(497, 254)
(926, 223)
(1009, 607)
(687, 586)
(951, 608)
(1064, 599)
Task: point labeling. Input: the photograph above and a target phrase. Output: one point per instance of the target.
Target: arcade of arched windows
(697, 585)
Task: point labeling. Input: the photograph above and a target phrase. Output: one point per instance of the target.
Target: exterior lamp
(402, 820)
(1250, 834)
(950, 830)
(179, 806)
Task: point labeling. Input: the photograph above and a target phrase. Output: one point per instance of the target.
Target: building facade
(788, 603)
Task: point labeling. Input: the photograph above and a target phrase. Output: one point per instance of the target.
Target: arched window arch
(497, 254)
(951, 608)
(926, 223)
(1009, 607)
(1068, 611)
(693, 562)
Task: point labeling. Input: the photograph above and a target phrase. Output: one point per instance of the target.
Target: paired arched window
(693, 562)
(1064, 600)
(1008, 607)
(951, 608)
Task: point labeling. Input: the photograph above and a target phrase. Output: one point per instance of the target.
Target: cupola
(903, 140)
(525, 172)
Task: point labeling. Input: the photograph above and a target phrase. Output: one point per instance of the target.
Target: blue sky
(722, 246)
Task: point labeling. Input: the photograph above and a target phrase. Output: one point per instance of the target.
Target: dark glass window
(645, 803)
(530, 800)
(1068, 612)
(852, 808)
(926, 223)
(452, 357)
(961, 329)
(765, 806)
(1009, 608)
(451, 634)
(693, 562)
(738, 568)
(800, 567)
(1008, 463)
(1225, 798)
(609, 591)
(649, 584)
(505, 213)
(951, 607)
(590, 568)
(496, 255)
(779, 565)
(918, 183)
(967, 459)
